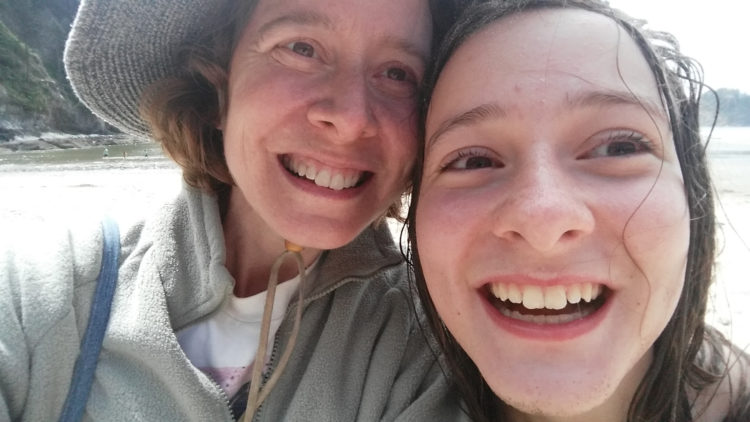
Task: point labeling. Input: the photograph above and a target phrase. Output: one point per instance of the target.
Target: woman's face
(320, 131)
(552, 223)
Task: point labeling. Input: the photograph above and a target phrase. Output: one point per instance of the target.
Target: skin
(549, 156)
(330, 84)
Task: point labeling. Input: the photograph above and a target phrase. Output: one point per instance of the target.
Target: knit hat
(117, 48)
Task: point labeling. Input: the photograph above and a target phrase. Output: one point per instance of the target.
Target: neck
(252, 247)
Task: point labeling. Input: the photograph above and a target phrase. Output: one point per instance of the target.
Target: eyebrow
(312, 18)
(613, 98)
(491, 111)
(474, 116)
(407, 46)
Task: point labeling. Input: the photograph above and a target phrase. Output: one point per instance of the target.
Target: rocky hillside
(35, 97)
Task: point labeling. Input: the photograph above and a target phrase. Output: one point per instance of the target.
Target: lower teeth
(544, 319)
(574, 313)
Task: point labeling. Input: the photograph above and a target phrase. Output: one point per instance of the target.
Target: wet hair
(689, 356)
(183, 111)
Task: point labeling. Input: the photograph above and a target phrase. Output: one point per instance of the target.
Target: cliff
(35, 97)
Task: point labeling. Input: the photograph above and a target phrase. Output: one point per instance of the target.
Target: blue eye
(302, 48)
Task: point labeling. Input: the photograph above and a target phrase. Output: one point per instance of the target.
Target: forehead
(548, 55)
(407, 20)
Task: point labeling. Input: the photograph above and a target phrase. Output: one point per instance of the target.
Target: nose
(344, 109)
(544, 208)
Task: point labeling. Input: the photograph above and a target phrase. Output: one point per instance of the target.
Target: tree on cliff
(734, 108)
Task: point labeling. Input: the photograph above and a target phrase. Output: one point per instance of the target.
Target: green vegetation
(22, 74)
(734, 108)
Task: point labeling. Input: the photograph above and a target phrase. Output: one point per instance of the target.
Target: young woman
(562, 221)
(294, 121)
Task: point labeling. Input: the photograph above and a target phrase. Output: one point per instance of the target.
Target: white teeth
(574, 293)
(514, 294)
(311, 172)
(554, 298)
(337, 182)
(550, 297)
(586, 292)
(301, 170)
(533, 298)
(331, 179)
(323, 179)
(500, 291)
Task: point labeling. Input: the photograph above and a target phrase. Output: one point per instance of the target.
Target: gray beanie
(117, 48)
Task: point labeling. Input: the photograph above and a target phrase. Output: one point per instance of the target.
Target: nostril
(570, 234)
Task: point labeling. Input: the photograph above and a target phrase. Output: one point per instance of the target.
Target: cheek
(657, 239)
(446, 233)
(431, 216)
(266, 94)
(397, 128)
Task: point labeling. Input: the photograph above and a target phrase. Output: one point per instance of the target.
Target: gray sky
(716, 33)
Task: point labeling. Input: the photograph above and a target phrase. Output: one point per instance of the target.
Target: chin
(568, 407)
(574, 392)
(323, 236)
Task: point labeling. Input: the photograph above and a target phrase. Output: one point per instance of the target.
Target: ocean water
(133, 180)
(729, 160)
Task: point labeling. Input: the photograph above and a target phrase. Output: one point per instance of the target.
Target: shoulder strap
(91, 344)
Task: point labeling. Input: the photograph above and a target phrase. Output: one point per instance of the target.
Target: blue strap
(91, 345)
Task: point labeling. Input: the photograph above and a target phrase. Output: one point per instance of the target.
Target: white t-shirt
(224, 345)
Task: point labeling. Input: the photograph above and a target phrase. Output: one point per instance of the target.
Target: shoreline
(63, 141)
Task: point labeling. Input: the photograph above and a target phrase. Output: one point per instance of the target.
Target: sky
(716, 33)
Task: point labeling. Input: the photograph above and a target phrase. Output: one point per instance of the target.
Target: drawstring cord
(256, 395)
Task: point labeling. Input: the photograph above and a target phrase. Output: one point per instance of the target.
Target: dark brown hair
(689, 356)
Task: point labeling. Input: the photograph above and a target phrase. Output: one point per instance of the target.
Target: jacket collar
(190, 253)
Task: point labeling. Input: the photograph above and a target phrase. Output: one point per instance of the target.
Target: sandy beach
(131, 182)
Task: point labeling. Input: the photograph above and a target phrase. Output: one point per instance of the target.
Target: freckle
(517, 88)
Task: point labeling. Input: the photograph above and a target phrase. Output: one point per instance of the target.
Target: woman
(294, 123)
(562, 149)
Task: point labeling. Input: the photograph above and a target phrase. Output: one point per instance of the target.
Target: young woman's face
(552, 222)
(320, 133)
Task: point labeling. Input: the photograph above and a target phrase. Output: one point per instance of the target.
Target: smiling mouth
(325, 177)
(547, 304)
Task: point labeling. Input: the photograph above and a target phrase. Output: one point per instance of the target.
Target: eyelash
(641, 143)
(466, 154)
(400, 88)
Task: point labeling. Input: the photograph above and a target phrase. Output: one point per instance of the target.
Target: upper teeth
(550, 297)
(327, 178)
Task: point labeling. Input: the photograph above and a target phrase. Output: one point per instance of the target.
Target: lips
(553, 304)
(324, 176)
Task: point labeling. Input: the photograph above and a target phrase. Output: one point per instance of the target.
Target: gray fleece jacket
(360, 355)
